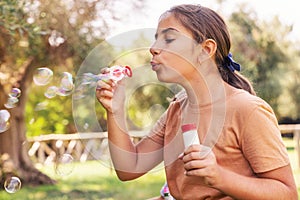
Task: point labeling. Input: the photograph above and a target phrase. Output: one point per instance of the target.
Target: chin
(165, 79)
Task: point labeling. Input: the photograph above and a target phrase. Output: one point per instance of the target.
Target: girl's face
(174, 53)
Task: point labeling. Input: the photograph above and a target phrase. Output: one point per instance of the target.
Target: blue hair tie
(231, 64)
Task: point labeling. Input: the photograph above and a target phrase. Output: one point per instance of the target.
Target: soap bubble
(11, 102)
(64, 165)
(4, 120)
(51, 92)
(66, 84)
(80, 92)
(15, 92)
(86, 126)
(43, 76)
(12, 184)
(64, 93)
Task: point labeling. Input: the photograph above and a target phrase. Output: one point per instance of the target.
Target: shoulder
(243, 101)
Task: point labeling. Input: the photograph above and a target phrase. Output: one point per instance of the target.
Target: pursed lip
(154, 65)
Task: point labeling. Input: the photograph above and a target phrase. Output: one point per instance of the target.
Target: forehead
(168, 21)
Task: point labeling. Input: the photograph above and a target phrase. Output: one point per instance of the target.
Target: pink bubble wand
(116, 73)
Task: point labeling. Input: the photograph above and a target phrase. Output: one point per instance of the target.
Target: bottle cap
(188, 127)
(166, 191)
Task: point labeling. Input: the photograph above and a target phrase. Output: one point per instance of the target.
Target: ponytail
(229, 74)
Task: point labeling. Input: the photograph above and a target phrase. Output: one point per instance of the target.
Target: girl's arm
(130, 160)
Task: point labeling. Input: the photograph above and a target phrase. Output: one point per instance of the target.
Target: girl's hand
(200, 161)
(110, 94)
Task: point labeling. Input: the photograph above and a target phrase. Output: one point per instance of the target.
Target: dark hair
(205, 23)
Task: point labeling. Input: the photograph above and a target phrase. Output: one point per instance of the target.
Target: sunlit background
(287, 11)
(51, 53)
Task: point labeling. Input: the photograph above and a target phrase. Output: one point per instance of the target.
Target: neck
(205, 87)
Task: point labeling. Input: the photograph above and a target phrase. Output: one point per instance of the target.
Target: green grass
(93, 180)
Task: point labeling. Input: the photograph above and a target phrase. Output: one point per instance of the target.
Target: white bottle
(190, 134)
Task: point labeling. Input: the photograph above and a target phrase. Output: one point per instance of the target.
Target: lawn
(94, 180)
(91, 181)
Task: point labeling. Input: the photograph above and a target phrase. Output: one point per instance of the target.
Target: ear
(210, 47)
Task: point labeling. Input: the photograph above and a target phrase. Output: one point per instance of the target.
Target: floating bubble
(64, 165)
(4, 120)
(15, 92)
(43, 76)
(41, 106)
(88, 78)
(51, 92)
(80, 92)
(86, 126)
(11, 102)
(12, 184)
(66, 84)
(63, 93)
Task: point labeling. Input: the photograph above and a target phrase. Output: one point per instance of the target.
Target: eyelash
(169, 40)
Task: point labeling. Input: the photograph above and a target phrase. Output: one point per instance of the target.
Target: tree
(262, 49)
(35, 33)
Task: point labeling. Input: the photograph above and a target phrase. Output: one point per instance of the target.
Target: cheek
(182, 58)
(185, 53)
(178, 64)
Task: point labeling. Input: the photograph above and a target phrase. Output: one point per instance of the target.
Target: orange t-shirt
(242, 131)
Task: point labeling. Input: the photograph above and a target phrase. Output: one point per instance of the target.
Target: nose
(154, 50)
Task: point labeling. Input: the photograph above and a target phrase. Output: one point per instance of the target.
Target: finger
(180, 156)
(108, 85)
(103, 93)
(192, 148)
(104, 70)
(197, 155)
(195, 172)
(197, 148)
(191, 156)
(194, 164)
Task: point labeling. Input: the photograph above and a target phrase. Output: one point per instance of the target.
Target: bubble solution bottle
(190, 134)
(167, 194)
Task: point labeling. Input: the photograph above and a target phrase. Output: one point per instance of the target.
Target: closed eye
(169, 40)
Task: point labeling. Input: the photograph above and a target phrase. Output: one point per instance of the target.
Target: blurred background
(45, 47)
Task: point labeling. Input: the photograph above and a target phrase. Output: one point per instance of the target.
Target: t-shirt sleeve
(262, 142)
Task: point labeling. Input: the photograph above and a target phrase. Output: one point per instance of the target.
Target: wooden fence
(295, 130)
(46, 149)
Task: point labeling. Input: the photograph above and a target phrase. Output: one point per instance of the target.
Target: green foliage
(294, 91)
(263, 49)
(147, 104)
(45, 116)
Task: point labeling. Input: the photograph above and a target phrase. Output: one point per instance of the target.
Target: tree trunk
(13, 141)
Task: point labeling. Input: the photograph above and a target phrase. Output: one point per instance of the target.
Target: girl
(247, 158)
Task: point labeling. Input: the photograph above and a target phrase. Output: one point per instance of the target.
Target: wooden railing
(295, 130)
(46, 149)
